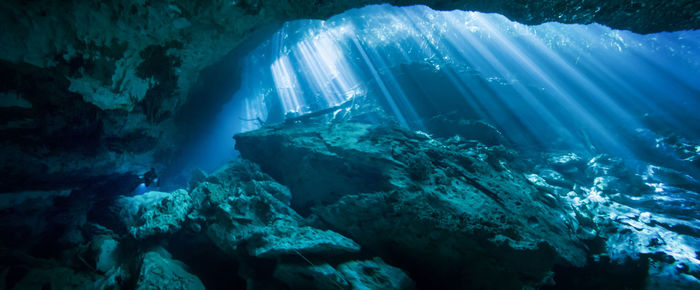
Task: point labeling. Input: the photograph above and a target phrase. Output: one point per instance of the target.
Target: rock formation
(93, 95)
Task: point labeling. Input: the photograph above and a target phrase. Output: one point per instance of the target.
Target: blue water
(552, 85)
(583, 88)
(549, 87)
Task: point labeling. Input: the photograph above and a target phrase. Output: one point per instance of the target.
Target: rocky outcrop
(374, 274)
(369, 274)
(246, 215)
(160, 271)
(154, 212)
(242, 206)
(435, 205)
(90, 90)
(426, 203)
(433, 213)
(94, 94)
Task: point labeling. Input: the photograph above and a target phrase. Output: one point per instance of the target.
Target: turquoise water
(553, 85)
(559, 94)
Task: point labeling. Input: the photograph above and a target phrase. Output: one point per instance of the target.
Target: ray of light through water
(553, 84)
(549, 87)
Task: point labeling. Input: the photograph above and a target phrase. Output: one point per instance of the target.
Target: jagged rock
(306, 154)
(83, 103)
(198, 176)
(569, 163)
(672, 276)
(554, 178)
(672, 177)
(542, 184)
(374, 274)
(21, 271)
(245, 206)
(472, 205)
(284, 240)
(160, 271)
(618, 208)
(322, 276)
(113, 279)
(105, 248)
(154, 212)
(450, 125)
(368, 274)
(603, 164)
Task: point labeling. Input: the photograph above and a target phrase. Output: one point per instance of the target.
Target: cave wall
(90, 89)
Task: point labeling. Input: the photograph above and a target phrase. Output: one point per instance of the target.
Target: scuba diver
(149, 178)
(142, 182)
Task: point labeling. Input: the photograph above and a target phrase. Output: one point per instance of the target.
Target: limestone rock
(154, 212)
(374, 274)
(160, 271)
(367, 274)
(448, 126)
(284, 240)
(242, 205)
(105, 248)
(322, 276)
(442, 205)
(566, 163)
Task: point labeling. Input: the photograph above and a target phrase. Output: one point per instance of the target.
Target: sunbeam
(568, 83)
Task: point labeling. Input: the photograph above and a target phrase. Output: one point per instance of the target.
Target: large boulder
(154, 212)
(243, 206)
(434, 207)
(160, 271)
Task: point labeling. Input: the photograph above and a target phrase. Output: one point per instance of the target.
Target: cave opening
(544, 87)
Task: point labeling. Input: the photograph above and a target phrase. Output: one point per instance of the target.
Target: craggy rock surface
(115, 87)
(94, 94)
(425, 203)
(154, 212)
(369, 274)
(241, 205)
(160, 271)
(236, 222)
(378, 207)
(453, 211)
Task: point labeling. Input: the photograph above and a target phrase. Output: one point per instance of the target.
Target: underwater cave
(340, 144)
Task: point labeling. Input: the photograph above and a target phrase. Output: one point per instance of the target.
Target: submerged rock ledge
(431, 212)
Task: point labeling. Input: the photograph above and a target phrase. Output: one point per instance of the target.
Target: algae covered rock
(356, 274)
(306, 276)
(160, 271)
(154, 212)
(374, 274)
(431, 206)
(105, 248)
(284, 240)
(244, 206)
